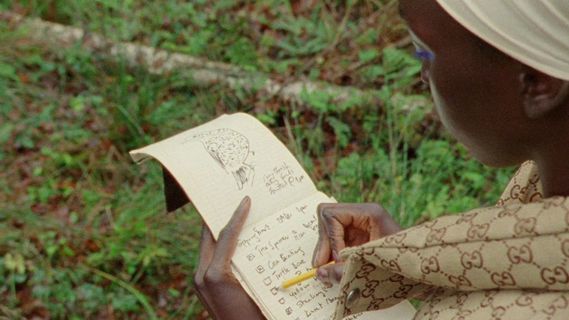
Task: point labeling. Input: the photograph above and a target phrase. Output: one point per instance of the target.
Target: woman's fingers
(330, 274)
(322, 251)
(227, 241)
(337, 220)
(344, 225)
(216, 286)
(333, 220)
(207, 248)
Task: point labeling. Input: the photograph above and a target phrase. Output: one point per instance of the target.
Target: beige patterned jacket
(505, 262)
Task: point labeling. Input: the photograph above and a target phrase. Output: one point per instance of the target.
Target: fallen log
(203, 72)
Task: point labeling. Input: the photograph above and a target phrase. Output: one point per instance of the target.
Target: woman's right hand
(344, 225)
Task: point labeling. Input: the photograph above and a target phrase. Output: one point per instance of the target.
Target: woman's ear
(542, 93)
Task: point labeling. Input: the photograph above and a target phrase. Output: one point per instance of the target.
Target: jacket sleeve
(518, 246)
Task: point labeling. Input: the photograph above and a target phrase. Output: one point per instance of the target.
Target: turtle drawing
(230, 149)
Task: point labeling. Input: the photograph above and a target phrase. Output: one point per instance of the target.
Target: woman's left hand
(219, 290)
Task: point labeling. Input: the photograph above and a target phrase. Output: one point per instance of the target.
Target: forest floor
(83, 231)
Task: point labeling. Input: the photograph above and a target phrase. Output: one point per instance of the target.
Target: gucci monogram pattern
(495, 304)
(524, 187)
(505, 262)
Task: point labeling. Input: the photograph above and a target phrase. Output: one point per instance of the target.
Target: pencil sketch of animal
(231, 150)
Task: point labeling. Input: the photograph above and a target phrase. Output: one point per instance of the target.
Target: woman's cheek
(445, 110)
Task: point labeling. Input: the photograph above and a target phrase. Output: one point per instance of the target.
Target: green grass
(83, 231)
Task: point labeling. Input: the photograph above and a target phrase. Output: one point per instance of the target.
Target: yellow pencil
(302, 277)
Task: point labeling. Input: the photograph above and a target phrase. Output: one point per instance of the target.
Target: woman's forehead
(419, 10)
(430, 23)
(420, 16)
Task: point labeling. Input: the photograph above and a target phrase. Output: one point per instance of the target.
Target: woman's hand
(217, 288)
(347, 225)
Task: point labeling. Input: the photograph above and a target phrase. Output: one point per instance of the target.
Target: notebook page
(220, 162)
(279, 248)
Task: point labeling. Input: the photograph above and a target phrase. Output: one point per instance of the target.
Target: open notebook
(220, 162)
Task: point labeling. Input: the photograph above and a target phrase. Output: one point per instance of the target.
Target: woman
(499, 75)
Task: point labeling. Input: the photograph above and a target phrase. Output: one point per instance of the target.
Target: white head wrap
(535, 32)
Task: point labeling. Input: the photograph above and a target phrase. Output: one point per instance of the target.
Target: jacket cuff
(372, 288)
